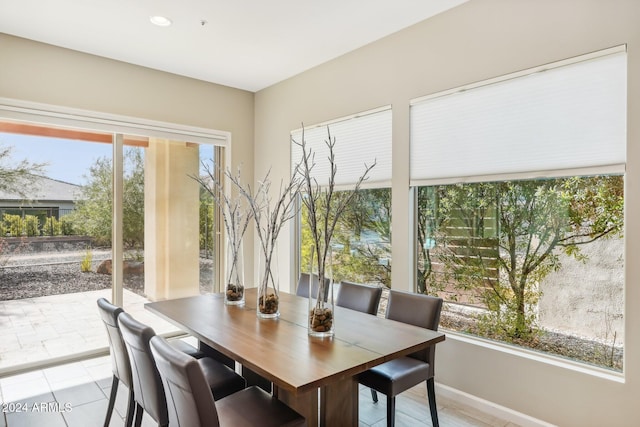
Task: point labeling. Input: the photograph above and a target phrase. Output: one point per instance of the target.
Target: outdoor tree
(206, 221)
(364, 231)
(18, 176)
(94, 208)
(133, 199)
(356, 257)
(94, 212)
(531, 223)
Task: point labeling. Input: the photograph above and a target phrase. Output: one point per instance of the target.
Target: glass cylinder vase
(321, 301)
(234, 292)
(321, 307)
(268, 306)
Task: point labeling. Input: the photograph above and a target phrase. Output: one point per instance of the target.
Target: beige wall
(478, 40)
(42, 73)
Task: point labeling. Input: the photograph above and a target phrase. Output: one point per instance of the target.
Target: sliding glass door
(95, 214)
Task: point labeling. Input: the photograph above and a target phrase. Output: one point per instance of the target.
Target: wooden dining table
(297, 364)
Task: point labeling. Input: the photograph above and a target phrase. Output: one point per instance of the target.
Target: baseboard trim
(490, 408)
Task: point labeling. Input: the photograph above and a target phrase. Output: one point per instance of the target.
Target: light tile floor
(76, 395)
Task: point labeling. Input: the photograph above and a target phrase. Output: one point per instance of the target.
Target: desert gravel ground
(53, 276)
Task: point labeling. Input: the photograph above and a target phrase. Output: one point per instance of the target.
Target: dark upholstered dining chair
(120, 359)
(303, 285)
(148, 391)
(190, 403)
(364, 298)
(398, 375)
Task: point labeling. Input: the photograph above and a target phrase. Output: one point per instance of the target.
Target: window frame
(614, 169)
(295, 238)
(118, 126)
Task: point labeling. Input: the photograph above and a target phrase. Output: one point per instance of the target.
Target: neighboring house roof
(46, 189)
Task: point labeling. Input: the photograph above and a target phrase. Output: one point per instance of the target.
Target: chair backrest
(119, 357)
(303, 285)
(147, 385)
(189, 399)
(355, 296)
(418, 310)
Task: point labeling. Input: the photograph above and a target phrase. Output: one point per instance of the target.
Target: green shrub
(85, 265)
(52, 227)
(66, 226)
(13, 224)
(31, 225)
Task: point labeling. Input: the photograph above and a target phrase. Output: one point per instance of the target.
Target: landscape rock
(129, 267)
(105, 267)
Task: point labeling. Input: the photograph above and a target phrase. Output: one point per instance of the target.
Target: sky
(67, 160)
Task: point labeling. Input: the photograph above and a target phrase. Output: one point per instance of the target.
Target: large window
(362, 242)
(519, 189)
(361, 249)
(534, 262)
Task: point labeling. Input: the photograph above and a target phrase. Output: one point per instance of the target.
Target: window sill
(537, 356)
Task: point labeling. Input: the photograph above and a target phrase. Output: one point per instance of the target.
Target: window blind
(564, 117)
(359, 140)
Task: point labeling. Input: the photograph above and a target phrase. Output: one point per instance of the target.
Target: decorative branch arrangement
(270, 215)
(236, 219)
(324, 208)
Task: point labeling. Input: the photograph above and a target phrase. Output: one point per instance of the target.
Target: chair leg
(374, 395)
(139, 413)
(431, 393)
(391, 411)
(131, 409)
(112, 400)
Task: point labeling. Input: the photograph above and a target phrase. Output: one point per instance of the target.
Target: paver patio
(45, 329)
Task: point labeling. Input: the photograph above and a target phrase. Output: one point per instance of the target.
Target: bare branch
(270, 214)
(323, 209)
(236, 216)
(19, 177)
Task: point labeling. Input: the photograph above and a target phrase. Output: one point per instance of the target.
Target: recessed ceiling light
(160, 21)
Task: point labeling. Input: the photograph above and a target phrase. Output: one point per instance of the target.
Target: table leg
(339, 403)
(306, 404)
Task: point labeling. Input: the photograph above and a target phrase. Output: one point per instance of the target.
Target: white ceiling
(247, 44)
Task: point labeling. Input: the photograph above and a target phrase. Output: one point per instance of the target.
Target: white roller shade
(572, 116)
(360, 140)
